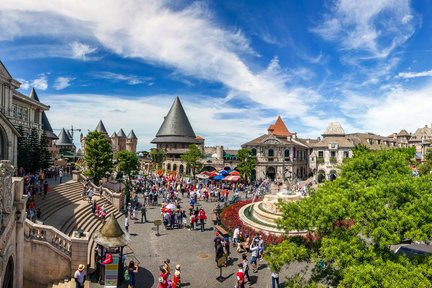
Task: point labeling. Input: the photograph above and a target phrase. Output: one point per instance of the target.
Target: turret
(131, 142)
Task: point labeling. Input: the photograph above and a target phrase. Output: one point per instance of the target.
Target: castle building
(280, 155)
(329, 152)
(174, 137)
(18, 110)
(119, 140)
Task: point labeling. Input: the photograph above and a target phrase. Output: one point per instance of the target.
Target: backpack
(126, 275)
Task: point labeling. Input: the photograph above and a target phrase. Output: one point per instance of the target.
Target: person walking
(246, 267)
(127, 223)
(275, 279)
(219, 251)
(202, 217)
(240, 276)
(61, 175)
(143, 213)
(45, 188)
(176, 283)
(236, 234)
(163, 278)
(254, 249)
(132, 270)
(80, 276)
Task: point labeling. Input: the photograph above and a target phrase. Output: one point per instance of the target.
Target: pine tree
(23, 152)
(35, 151)
(45, 155)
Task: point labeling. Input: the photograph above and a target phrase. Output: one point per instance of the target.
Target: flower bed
(230, 220)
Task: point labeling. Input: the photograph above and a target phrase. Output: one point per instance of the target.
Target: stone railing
(111, 196)
(50, 235)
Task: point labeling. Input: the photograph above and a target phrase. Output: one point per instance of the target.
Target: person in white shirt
(80, 276)
(236, 234)
(127, 223)
(254, 249)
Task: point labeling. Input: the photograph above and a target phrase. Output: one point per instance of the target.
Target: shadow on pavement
(145, 278)
(223, 278)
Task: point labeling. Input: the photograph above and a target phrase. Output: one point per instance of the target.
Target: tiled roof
(176, 125)
(280, 129)
(63, 139)
(114, 135)
(334, 129)
(343, 142)
(403, 132)
(101, 128)
(33, 95)
(121, 133)
(46, 126)
(132, 135)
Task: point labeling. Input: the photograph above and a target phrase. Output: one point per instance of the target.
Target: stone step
(70, 284)
(58, 193)
(51, 206)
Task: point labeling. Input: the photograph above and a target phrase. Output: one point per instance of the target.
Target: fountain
(262, 215)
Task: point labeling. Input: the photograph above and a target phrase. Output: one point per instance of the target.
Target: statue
(6, 191)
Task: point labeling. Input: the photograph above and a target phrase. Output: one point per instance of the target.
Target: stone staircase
(65, 210)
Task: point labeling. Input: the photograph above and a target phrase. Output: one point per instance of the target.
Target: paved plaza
(193, 250)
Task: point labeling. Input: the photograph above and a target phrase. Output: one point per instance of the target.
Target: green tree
(192, 158)
(98, 156)
(127, 162)
(246, 163)
(426, 167)
(34, 150)
(157, 156)
(374, 203)
(45, 155)
(23, 149)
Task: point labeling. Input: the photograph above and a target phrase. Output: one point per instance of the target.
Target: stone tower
(121, 140)
(131, 142)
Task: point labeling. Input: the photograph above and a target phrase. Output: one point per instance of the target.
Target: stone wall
(42, 264)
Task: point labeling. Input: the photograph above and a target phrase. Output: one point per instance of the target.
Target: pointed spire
(334, 129)
(176, 126)
(121, 134)
(132, 135)
(111, 234)
(33, 95)
(69, 135)
(63, 139)
(101, 128)
(46, 126)
(114, 135)
(279, 128)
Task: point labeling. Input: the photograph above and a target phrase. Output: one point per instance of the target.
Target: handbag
(126, 275)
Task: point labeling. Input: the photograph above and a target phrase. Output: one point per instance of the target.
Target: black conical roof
(132, 135)
(33, 95)
(176, 126)
(63, 139)
(121, 133)
(46, 126)
(101, 128)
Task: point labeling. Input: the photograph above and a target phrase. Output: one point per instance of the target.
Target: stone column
(75, 175)
(79, 251)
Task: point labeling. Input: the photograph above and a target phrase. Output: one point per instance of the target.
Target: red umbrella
(231, 178)
(234, 173)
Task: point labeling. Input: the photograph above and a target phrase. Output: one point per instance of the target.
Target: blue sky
(236, 65)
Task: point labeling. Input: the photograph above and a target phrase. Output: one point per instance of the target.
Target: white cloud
(62, 82)
(187, 40)
(399, 109)
(80, 50)
(408, 75)
(40, 83)
(375, 27)
(130, 79)
(85, 110)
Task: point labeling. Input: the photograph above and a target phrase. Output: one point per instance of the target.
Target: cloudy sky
(236, 65)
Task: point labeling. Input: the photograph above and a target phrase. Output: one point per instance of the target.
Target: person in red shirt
(163, 278)
(240, 276)
(202, 217)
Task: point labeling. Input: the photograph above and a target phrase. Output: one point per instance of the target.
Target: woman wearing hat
(80, 276)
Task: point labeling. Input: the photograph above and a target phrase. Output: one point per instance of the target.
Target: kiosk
(110, 240)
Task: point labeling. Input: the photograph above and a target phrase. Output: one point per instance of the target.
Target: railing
(105, 192)
(49, 235)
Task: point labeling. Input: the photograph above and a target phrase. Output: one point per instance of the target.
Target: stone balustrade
(49, 235)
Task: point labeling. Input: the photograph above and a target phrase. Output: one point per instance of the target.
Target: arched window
(287, 153)
(253, 152)
(270, 153)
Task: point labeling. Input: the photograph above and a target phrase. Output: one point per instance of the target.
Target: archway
(174, 167)
(181, 169)
(332, 175)
(168, 167)
(271, 173)
(320, 176)
(253, 175)
(8, 281)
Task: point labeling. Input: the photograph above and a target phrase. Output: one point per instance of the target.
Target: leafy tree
(127, 162)
(353, 220)
(45, 155)
(246, 163)
(98, 156)
(192, 158)
(157, 156)
(23, 149)
(426, 167)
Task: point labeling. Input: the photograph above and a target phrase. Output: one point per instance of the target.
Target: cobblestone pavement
(193, 250)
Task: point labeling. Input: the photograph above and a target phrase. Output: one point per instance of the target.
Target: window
(333, 154)
(346, 154)
(287, 154)
(270, 153)
(254, 152)
(321, 154)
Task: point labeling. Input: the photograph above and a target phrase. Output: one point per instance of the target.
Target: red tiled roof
(199, 138)
(280, 129)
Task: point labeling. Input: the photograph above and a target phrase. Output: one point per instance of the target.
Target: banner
(111, 272)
